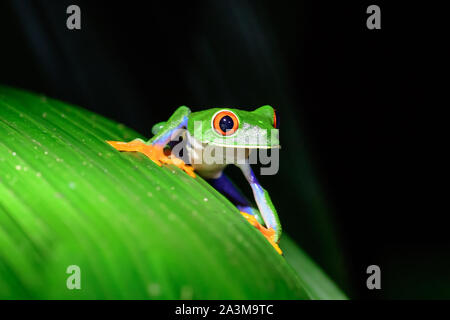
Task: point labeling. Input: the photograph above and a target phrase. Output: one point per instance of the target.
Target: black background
(359, 176)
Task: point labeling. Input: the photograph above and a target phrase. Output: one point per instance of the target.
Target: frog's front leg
(263, 201)
(154, 148)
(252, 215)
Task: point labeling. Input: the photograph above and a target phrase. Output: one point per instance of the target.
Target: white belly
(209, 161)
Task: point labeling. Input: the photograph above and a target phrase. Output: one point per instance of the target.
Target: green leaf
(315, 281)
(136, 230)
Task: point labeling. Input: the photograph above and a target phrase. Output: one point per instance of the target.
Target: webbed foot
(269, 233)
(154, 152)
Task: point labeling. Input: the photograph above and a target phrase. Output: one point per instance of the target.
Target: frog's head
(235, 128)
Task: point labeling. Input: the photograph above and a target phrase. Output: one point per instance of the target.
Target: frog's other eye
(276, 121)
(225, 122)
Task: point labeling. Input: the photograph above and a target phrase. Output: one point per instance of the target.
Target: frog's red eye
(275, 118)
(225, 122)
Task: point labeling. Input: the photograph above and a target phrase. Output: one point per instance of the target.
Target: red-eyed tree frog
(215, 138)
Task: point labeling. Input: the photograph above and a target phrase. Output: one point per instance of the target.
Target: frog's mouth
(246, 140)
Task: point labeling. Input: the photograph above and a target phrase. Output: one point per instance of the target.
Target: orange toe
(268, 233)
(251, 219)
(155, 153)
(270, 236)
